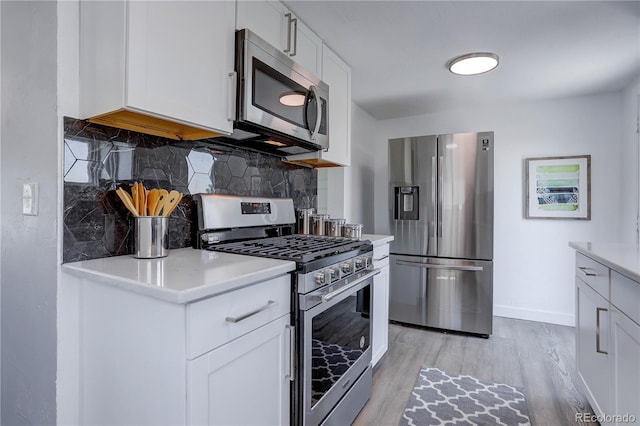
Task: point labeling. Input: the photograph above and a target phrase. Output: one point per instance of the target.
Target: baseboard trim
(534, 315)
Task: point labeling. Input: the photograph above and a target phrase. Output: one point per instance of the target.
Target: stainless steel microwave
(280, 107)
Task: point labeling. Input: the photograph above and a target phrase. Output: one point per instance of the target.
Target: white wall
(533, 264)
(363, 154)
(29, 259)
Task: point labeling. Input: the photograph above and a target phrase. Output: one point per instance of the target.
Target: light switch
(30, 199)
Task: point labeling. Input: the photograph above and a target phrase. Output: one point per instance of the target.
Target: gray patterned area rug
(439, 398)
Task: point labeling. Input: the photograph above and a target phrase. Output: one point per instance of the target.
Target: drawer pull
(598, 310)
(382, 258)
(588, 272)
(243, 317)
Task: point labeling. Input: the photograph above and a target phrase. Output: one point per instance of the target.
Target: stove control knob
(360, 263)
(320, 278)
(334, 274)
(346, 267)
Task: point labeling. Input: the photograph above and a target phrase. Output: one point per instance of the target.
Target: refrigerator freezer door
(412, 195)
(465, 196)
(442, 293)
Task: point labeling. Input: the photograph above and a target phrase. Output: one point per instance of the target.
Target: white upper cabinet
(337, 74)
(272, 21)
(162, 66)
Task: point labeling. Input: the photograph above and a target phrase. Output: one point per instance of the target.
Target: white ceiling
(399, 50)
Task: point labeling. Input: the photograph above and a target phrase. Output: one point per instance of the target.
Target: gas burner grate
(299, 248)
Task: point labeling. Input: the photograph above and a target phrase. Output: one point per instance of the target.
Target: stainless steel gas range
(330, 301)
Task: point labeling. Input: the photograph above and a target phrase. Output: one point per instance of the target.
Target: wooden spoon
(152, 201)
(170, 203)
(126, 199)
(163, 194)
(134, 197)
(142, 199)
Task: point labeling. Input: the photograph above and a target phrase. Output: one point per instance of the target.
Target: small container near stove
(304, 220)
(318, 223)
(352, 230)
(333, 227)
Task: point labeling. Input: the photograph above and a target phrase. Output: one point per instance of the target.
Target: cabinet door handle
(292, 353)
(243, 317)
(598, 310)
(295, 37)
(231, 96)
(294, 21)
(588, 272)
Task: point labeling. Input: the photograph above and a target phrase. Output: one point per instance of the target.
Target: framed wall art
(558, 187)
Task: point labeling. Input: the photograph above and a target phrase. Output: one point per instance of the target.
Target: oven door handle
(348, 287)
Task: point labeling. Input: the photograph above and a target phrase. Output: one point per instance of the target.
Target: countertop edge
(581, 247)
(181, 296)
(378, 239)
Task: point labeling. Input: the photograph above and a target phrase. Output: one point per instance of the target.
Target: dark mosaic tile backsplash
(99, 159)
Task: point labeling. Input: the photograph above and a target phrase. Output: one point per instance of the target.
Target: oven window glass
(340, 335)
(278, 95)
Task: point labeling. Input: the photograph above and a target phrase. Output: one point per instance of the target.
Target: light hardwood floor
(538, 357)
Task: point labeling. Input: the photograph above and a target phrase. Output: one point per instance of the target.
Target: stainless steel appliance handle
(289, 19)
(348, 287)
(434, 202)
(588, 272)
(316, 129)
(382, 258)
(243, 317)
(292, 353)
(598, 310)
(440, 191)
(437, 266)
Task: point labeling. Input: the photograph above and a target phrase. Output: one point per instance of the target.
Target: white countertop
(185, 275)
(624, 258)
(378, 240)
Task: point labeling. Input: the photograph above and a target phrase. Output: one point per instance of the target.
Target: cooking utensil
(152, 201)
(162, 197)
(173, 199)
(127, 201)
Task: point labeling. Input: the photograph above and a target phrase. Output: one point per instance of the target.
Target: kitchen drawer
(595, 274)
(210, 322)
(381, 256)
(625, 295)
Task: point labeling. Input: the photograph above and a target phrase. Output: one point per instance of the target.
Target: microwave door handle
(316, 129)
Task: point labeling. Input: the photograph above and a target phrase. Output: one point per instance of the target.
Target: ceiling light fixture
(473, 63)
(292, 98)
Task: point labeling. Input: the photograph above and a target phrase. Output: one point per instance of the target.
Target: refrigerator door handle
(440, 191)
(437, 266)
(434, 192)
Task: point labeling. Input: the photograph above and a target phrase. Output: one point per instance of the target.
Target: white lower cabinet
(254, 370)
(592, 345)
(608, 340)
(222, 360)
(625, 365)
(380, 320)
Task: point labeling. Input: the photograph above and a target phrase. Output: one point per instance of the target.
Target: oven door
(335, 345)
(278, 95)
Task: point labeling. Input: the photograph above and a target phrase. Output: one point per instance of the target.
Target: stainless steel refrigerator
(441, 201)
